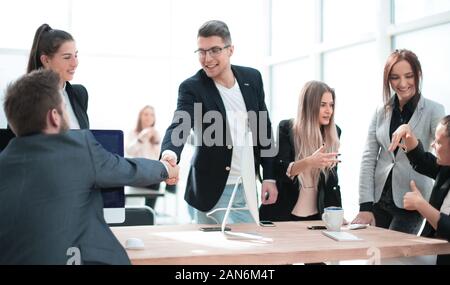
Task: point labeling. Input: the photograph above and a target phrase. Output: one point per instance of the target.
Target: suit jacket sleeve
(182, 123)
(285, 149)
(112, 170)
(368, 163)
(423, 162)
(443, 227)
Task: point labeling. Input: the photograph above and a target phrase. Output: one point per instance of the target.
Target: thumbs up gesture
(412, 199)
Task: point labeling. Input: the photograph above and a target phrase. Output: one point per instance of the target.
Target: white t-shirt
(237, 118)
(445, 208)
(73, 121)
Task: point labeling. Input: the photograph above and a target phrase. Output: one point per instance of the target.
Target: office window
(116, 96)
(246, 20)
(287, 82)
(345, 19)
(132, 27)
(356, 77)
(11, 67)
(407, 10)
(19, 20)
(292, 26)
(431, 46)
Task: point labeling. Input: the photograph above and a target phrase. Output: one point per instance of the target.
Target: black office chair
(5, 136)
(138, 216)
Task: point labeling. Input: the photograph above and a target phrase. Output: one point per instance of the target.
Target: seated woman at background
(306, 174)
(384, 176)
(144, 141)
(56, 50)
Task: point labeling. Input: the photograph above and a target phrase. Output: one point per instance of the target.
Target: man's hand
(364, 217)
(171, 162)
(413, 199)
(404, 133)
(269, 192)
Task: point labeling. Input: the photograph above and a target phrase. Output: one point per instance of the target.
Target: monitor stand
(230, 203)
(227, 210)
(227, 231)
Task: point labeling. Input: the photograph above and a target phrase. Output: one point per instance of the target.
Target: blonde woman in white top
(144, 141)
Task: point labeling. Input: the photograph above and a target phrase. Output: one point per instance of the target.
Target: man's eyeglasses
(213, 52)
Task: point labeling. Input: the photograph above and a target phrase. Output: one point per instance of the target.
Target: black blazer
(425, 163)
(78, 97)
(209, 166)
(288, 189)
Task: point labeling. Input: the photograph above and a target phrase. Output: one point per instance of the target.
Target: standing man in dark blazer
(437, 210)
(51, 211)
(228, 99)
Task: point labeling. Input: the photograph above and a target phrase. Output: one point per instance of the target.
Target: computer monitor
(113, 198)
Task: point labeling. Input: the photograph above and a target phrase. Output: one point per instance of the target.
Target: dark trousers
(151, 201)
(389, 216)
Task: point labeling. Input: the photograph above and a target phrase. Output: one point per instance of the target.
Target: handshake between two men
(173, 170)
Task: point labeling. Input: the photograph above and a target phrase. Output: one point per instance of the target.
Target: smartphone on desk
(316, 228)
(266, 224)
(214, 229)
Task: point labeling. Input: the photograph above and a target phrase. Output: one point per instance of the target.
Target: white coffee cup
(333, 218)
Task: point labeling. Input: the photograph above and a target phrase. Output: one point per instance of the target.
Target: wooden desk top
(287, 243)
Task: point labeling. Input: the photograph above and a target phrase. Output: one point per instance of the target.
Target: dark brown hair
(47, 41)
(215, 28)
(446, 123)
(395, 57)
(28, 100)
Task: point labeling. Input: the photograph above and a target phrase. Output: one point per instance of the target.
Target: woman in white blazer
(385, 176)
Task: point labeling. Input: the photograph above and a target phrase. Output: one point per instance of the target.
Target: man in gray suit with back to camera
(50, 207)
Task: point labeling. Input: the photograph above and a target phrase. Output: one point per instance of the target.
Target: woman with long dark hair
(56, 50)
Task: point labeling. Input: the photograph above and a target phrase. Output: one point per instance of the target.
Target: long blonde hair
(309, 135)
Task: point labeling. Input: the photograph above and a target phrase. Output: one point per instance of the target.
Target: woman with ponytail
(306, 174)
(56, 50)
